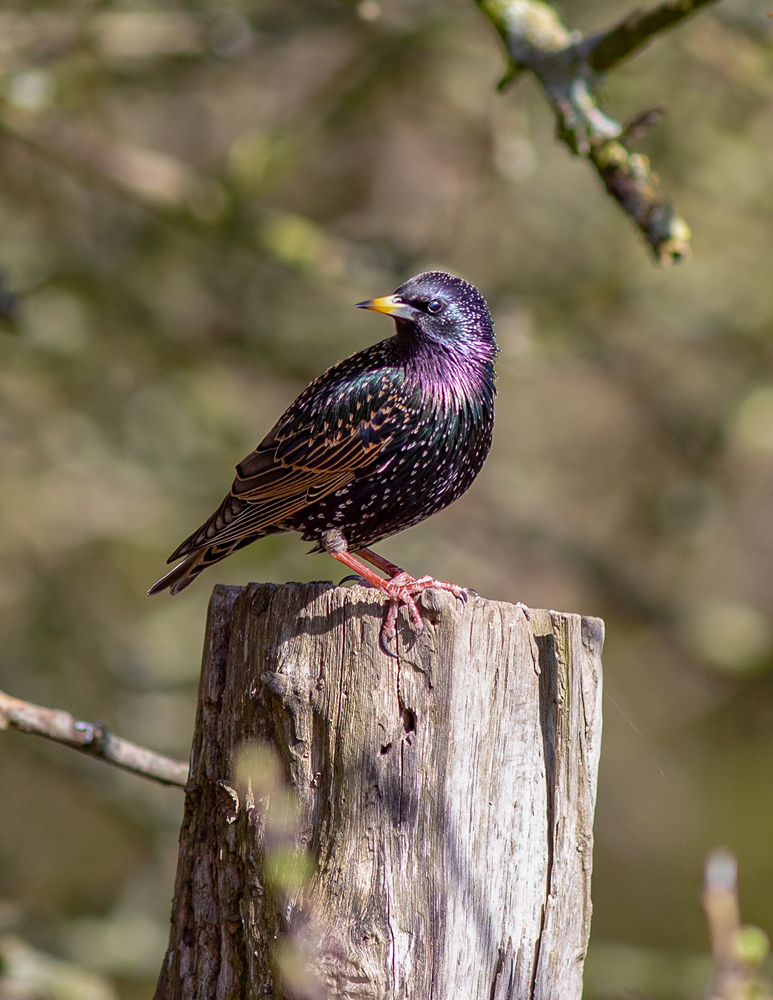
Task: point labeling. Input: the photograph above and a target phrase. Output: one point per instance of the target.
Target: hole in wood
(409, 720)
(385, 749)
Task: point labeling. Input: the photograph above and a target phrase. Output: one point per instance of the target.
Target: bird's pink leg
(400, 588)
(380, 562)
(399, 578)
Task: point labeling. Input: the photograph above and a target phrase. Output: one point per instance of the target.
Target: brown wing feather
(297, 463)
(261, 518)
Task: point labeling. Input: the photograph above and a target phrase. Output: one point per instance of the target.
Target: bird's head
(439, 307)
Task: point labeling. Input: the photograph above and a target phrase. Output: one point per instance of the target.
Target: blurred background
(191, 200)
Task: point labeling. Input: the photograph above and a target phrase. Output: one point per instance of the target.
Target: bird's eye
(434, 306)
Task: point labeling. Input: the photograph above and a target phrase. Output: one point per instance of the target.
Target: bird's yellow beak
(392, 305)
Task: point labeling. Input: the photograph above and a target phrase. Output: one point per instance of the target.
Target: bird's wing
(336, 430)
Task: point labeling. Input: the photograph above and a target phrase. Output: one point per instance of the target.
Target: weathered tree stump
(446, 799)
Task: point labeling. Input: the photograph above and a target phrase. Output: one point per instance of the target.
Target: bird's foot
(404, 589)
(400, 587)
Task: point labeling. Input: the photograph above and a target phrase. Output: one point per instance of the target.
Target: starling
(379, 442)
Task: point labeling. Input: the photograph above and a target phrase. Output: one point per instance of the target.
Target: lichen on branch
(570, 69)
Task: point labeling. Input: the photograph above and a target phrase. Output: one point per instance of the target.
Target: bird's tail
(186, 572)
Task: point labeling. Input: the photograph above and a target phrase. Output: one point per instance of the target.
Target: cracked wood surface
(445, 797)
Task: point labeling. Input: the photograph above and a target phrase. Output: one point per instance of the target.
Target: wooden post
(446, 800)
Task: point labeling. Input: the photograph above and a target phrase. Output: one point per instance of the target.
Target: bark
(445, 800)
(92, 738)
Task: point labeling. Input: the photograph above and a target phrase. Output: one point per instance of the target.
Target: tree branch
(90, 738)
(636, 29)
(569, 69)
(737, 950)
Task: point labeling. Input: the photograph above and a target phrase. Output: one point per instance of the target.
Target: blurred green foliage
(191, 200)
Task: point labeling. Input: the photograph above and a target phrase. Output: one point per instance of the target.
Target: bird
(379, 442)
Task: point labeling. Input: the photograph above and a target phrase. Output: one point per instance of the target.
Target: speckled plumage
(377, 443)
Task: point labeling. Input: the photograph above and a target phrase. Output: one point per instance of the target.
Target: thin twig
(636, 29)
(90, 738)
(737, 950)
(569, 69)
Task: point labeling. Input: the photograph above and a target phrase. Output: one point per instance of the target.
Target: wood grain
(446, 801)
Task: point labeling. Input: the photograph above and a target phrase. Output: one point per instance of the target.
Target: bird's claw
(356, 578)
(403, 589)
(389, 629)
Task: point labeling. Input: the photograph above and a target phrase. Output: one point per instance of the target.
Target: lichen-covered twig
(737, 950)
(90, 738)
(569, 68)
(608, 48)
